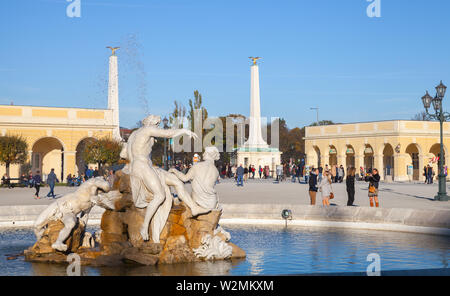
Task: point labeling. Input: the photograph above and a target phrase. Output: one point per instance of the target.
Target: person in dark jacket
(240, 175)
(95, 173)
(313, 185)
(37, 180)
(430, 175)
(51, 181)
(350, 182)
(374, 180)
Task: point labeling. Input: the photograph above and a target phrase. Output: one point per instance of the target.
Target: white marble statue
(68, 207)
(146, 179)
(203, 176)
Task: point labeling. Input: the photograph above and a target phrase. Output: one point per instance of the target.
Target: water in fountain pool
(271, 250)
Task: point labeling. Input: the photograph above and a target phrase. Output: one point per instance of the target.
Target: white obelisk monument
(255, 139)
(113, 92)
(255, 150)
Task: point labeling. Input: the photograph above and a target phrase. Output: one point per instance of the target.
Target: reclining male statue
(146, 179)
(69, 206)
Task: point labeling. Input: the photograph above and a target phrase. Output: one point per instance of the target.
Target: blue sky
(323, 53)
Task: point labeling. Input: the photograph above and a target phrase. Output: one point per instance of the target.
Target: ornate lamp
(426, 99)
(437, 103)
(440, 90)
(441, 116)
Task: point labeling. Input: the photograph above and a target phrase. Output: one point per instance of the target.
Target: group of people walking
(250, 172)
(322, 183)
(428, 173)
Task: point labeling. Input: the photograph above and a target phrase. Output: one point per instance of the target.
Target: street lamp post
(165, 123)
(317, 113)
(442, 117)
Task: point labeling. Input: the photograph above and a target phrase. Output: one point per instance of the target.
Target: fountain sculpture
(143, 223)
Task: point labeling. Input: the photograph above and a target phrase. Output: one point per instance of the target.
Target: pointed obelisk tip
(113, 50)
(254, 59)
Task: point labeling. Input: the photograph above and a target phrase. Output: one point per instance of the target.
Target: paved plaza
(392, 195)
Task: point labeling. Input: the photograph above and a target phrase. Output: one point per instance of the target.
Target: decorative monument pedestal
(259, 157)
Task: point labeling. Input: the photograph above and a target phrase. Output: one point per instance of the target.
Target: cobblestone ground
(392, 195)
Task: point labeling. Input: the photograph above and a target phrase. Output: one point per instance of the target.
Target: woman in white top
(325, 188)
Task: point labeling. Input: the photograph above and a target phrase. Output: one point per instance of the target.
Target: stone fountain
(143, 223)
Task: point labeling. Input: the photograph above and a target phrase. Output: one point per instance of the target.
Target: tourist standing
(425, 173)
(325, 188)
(245, 174)
(233, 171)
(308, 172)
(240, 175)
(279, 171)
(341, 173)
(37, 184)
(51, 180)
(321, 173)
(374, 180)
(430, 174)
(313, 186)
(350, 182)
(260, 170)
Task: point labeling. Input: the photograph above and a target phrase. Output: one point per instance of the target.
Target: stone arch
(388, 161)
(314, 156)
(79, 161)
(48, 153)
(349, 153)
(332, 159)
(368, 153)
(414, 151)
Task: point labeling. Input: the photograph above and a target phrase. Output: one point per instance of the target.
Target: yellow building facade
(399, 149)
(55, 136)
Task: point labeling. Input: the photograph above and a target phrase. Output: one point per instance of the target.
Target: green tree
(13, 150)
(102, 151)
(178, 111)
(323, 122)
(196, 104)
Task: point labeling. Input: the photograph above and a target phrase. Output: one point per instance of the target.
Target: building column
(342, 160)
(400, 172)
(359, 161)
(324, 159)
(69, 163)
(378, 164)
